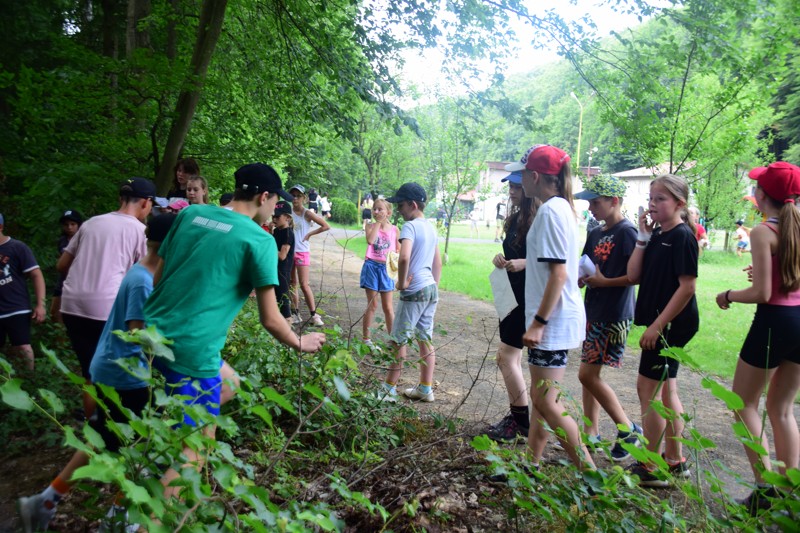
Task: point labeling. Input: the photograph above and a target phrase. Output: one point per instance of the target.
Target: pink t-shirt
(385, 242)
(777, 296)
(104, 249)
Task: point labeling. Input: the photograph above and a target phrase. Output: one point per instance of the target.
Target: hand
(499, 261)
(515, 265)
(402, 285)
(644, 226)
(722, 300)
(39, 314)
(533, 336)
(595, 280)
(749, 270)
(650, 337)
(312, 342)
(305, 238)
(55, 309)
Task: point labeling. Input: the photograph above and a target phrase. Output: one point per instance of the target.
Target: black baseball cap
(226, 198)
(409, 192)
(137, 187)
(282, 208)
(71, 214)
(258, 177)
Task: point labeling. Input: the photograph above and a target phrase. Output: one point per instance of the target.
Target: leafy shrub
(343, 211)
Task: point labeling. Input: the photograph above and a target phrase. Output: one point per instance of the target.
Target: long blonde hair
(788, 242)
(386, 205)
(563, 183)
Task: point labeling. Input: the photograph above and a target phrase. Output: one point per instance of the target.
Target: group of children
(540, 254)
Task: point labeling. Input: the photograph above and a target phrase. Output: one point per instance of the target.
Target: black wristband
(728, 296)
(540, 320)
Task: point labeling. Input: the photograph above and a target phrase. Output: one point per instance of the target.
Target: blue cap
(515, 177)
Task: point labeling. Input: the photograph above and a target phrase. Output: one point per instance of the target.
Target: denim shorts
(414, 315)
(375, 277)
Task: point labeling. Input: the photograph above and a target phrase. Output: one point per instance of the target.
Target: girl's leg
(393, 375)
(749, 383)
(545, 398)
(508, 361)
(308, 294)
(652, 423)
(673, 449)
(427, 363)
(780, 407)
(369, 314)
(388, 310)
(230, 383)
(599, 394)
(293, 290)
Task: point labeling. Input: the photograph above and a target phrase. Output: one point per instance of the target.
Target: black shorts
(366, 214)
(135, 399)
(84, 334)
(512, 327)
(655, 366)
(774, 336)
(17, 328)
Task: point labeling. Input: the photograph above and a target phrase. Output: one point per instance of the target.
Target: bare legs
(427, 362)
(596, 393)
(784, 381)
(508, 361)
(25, 354)
(547, 407)
(372, 307)
(300, 276)
(657, 429)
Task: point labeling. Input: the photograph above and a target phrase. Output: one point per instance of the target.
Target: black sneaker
(759, 500)
(507, 430)
(680, 469)
(618, 453)
(647, 477)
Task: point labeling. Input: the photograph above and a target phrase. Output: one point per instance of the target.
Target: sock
(389, 387)
(55, 491)
(521, 415)
(424, 388)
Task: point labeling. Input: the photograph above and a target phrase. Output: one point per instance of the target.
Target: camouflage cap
(603, 185)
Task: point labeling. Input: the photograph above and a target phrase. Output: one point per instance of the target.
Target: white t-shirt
(104, 249)
(301, 229)
(421, 233)
(553, 238)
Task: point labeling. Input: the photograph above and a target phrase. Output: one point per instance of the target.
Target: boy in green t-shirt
(211, 261)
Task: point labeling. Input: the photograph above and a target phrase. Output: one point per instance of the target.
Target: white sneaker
(35, 516)
(374, 348)
(296, 318)
(385, 395)
(317, 320)
(415, 394)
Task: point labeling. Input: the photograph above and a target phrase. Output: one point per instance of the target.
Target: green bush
(343, 211)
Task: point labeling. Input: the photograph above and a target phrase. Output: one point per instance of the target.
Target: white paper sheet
(504, 299)
(586, 267)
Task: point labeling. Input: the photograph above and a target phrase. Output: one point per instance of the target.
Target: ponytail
(789, 247)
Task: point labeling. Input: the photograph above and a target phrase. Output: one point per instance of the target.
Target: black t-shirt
(512, 251)
(282, 237)
(610, 249)
(16, 260)
(667, 256)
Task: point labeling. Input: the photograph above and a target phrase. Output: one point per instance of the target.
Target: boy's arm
(273, 321)
(404, 257)
(598, 280)
(39, 290)
(436, 268)
(64, 262)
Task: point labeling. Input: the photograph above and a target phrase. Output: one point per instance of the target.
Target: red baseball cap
(541, 158)
(780, 180)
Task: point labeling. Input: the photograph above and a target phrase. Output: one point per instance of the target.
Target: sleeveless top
(778, 297)
(301, 229)
(385, 242)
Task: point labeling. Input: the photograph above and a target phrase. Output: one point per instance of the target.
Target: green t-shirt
(213, 258)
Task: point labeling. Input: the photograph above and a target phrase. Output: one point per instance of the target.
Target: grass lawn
(715, 347)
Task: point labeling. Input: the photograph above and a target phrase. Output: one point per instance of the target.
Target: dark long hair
(522, 216)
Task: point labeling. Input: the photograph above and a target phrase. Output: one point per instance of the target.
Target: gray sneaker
(35, 516)
(618, 453)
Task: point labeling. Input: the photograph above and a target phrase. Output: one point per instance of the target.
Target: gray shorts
(413, 318)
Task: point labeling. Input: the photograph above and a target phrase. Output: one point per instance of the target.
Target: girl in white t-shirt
(303, 220)
(554, 313)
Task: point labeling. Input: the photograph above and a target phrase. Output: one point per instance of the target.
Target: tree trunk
(134, 37)
(212, 15)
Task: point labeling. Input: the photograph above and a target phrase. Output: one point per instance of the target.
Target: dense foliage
(344, 211)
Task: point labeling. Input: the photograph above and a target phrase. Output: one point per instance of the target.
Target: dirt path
(470, 387)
